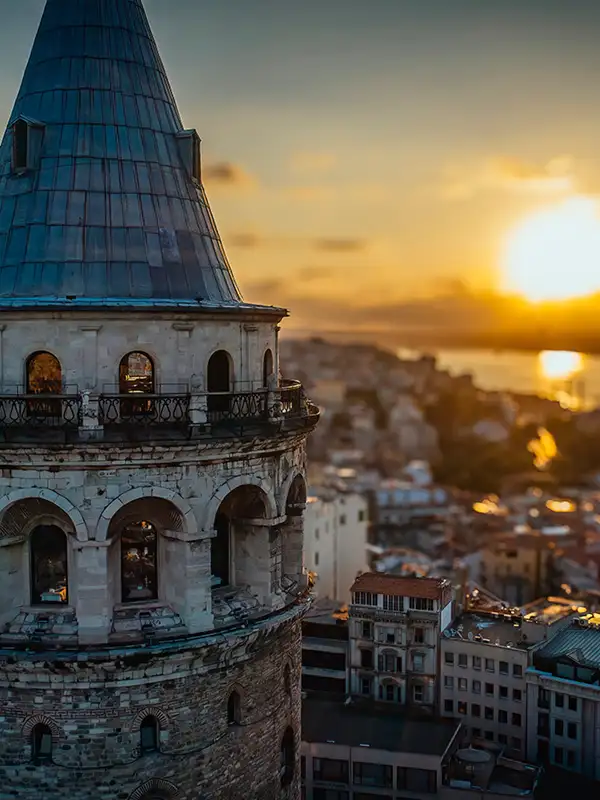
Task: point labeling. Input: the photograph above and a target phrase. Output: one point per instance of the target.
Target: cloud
(340, 245)
(309, 274)
(229, 175)
(509, 173)
(312, 162)
(251, 240)
(247, 241)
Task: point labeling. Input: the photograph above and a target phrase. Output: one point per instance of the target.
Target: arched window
(48, 565)
(234, 712)
(139, 574)
(41, 743)
(136, 374)
(218, 385)
(220, 550)
(44, 375)
(267, 367)
(288, 757)
(149, 735)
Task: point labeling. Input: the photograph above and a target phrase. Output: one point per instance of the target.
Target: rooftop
(484, 769)
(327, 612)
(548, 610)
(580, 643)
(400, 586)
(372, 725)
(489, 628)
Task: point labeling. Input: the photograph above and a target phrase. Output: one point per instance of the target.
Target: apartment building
(484, 658)
(563, 700)
(395, 624)
(325, 649)
(335, 540)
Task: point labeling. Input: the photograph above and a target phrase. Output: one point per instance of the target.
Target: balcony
(183, 415)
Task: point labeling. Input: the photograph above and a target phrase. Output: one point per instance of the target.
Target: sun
(560, 364)
(555, 254)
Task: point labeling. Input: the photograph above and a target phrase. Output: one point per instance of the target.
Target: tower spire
(100, 187)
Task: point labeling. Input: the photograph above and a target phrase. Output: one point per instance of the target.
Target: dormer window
(189, 147)
(26, 144)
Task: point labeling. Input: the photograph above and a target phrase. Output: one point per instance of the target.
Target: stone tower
(151, 458)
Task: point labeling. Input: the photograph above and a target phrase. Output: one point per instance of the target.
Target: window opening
(48, 565)
(139, 578)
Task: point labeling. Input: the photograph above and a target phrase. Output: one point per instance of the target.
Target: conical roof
(107, 207)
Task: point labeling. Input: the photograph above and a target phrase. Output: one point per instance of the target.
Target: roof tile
(400, 586)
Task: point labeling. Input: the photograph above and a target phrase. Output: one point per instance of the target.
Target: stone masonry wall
(95, 709)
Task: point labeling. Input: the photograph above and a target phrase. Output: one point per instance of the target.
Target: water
(572, 379)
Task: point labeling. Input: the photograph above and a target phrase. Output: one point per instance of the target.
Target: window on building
(41, 743)
(559, 727)
(330, 769)
(475, 710)
(449, 658)
(43, 377)
(476, 687)
(543, 725)
(418, 662)
(287, 757)
(489, 689)
(503, 738)
(489, 664)
(365, 686)
(234, 713)
(571, 759)
(366, 630)
(558, 755)
(362, 515)
(422, 781)
(572, 730)
(517, 695)
(364, 599)
(476, 733)
(515, 742)
(20, 149)
(136, 374)
(449, 706)
(489, 736)
(316, 559)
(48, 548)
(220, 549)
(421, 604)
(503, 691)
(462, 707)
(389, 662)
(462, 659)
(572, 704)
(218, 386)
(516, 719)
(559, 700)
(503, 667)
(379, 775)
(448, 682)
(390, 693)
(366, 658)
(462, 684)
(342, 519)
(390, 637)
(418, 693)
(543, 698)
(149, 733)
(502, 716)
(419, 636)
(517, 671)
(139, 578)
(267, 367)
(393, 603)
(489, 712)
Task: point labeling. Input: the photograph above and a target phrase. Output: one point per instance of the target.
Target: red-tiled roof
(399, 586)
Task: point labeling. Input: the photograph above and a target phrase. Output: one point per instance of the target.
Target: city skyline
(363, 160)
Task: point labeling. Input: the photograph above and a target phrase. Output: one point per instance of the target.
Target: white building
(335, 544)
(395, 627)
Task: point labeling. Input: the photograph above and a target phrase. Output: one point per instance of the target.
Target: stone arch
(294, 483)
(40, 719)
(40, 503)
(158, 713)
(186, 521)
(213, 505)
(155, 787)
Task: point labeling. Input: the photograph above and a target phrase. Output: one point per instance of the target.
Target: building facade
(152, 467)
(336, 527)
(395, 627)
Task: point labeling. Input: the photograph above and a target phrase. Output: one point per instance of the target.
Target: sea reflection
(559, 368)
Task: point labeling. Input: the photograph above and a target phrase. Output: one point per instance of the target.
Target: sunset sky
(364, 155)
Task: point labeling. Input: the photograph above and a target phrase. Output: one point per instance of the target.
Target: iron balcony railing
(40, 411)
(143, 409)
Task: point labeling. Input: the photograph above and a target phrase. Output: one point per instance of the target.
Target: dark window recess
(234, 714)
(502, 716)
(220, 549)
(149, 735)
(559, 727)
(20, 145)
(367, 630)
(323, 660)
(139, 579)
(331, 794)
(330, 769)
(218, 385)
(543, 698)
(417, 780)
(379, 775)
(267, 367)
(136, 378)
(449, 706)
(41, 743)
(572, 730)
(572, 704)
(287, 758)
(48, 565)
(559, 700)
(366, 659)
(570, 758)
(317, 683)
(543, 725)
(317, 631)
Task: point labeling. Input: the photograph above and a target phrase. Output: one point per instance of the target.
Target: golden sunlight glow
(543, 449)
(560, 364)
(554, 255)
(560, 506)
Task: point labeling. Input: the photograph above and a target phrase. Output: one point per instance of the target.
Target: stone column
(185, 578)
(92, 601)
(253, 368)
(251, 559)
